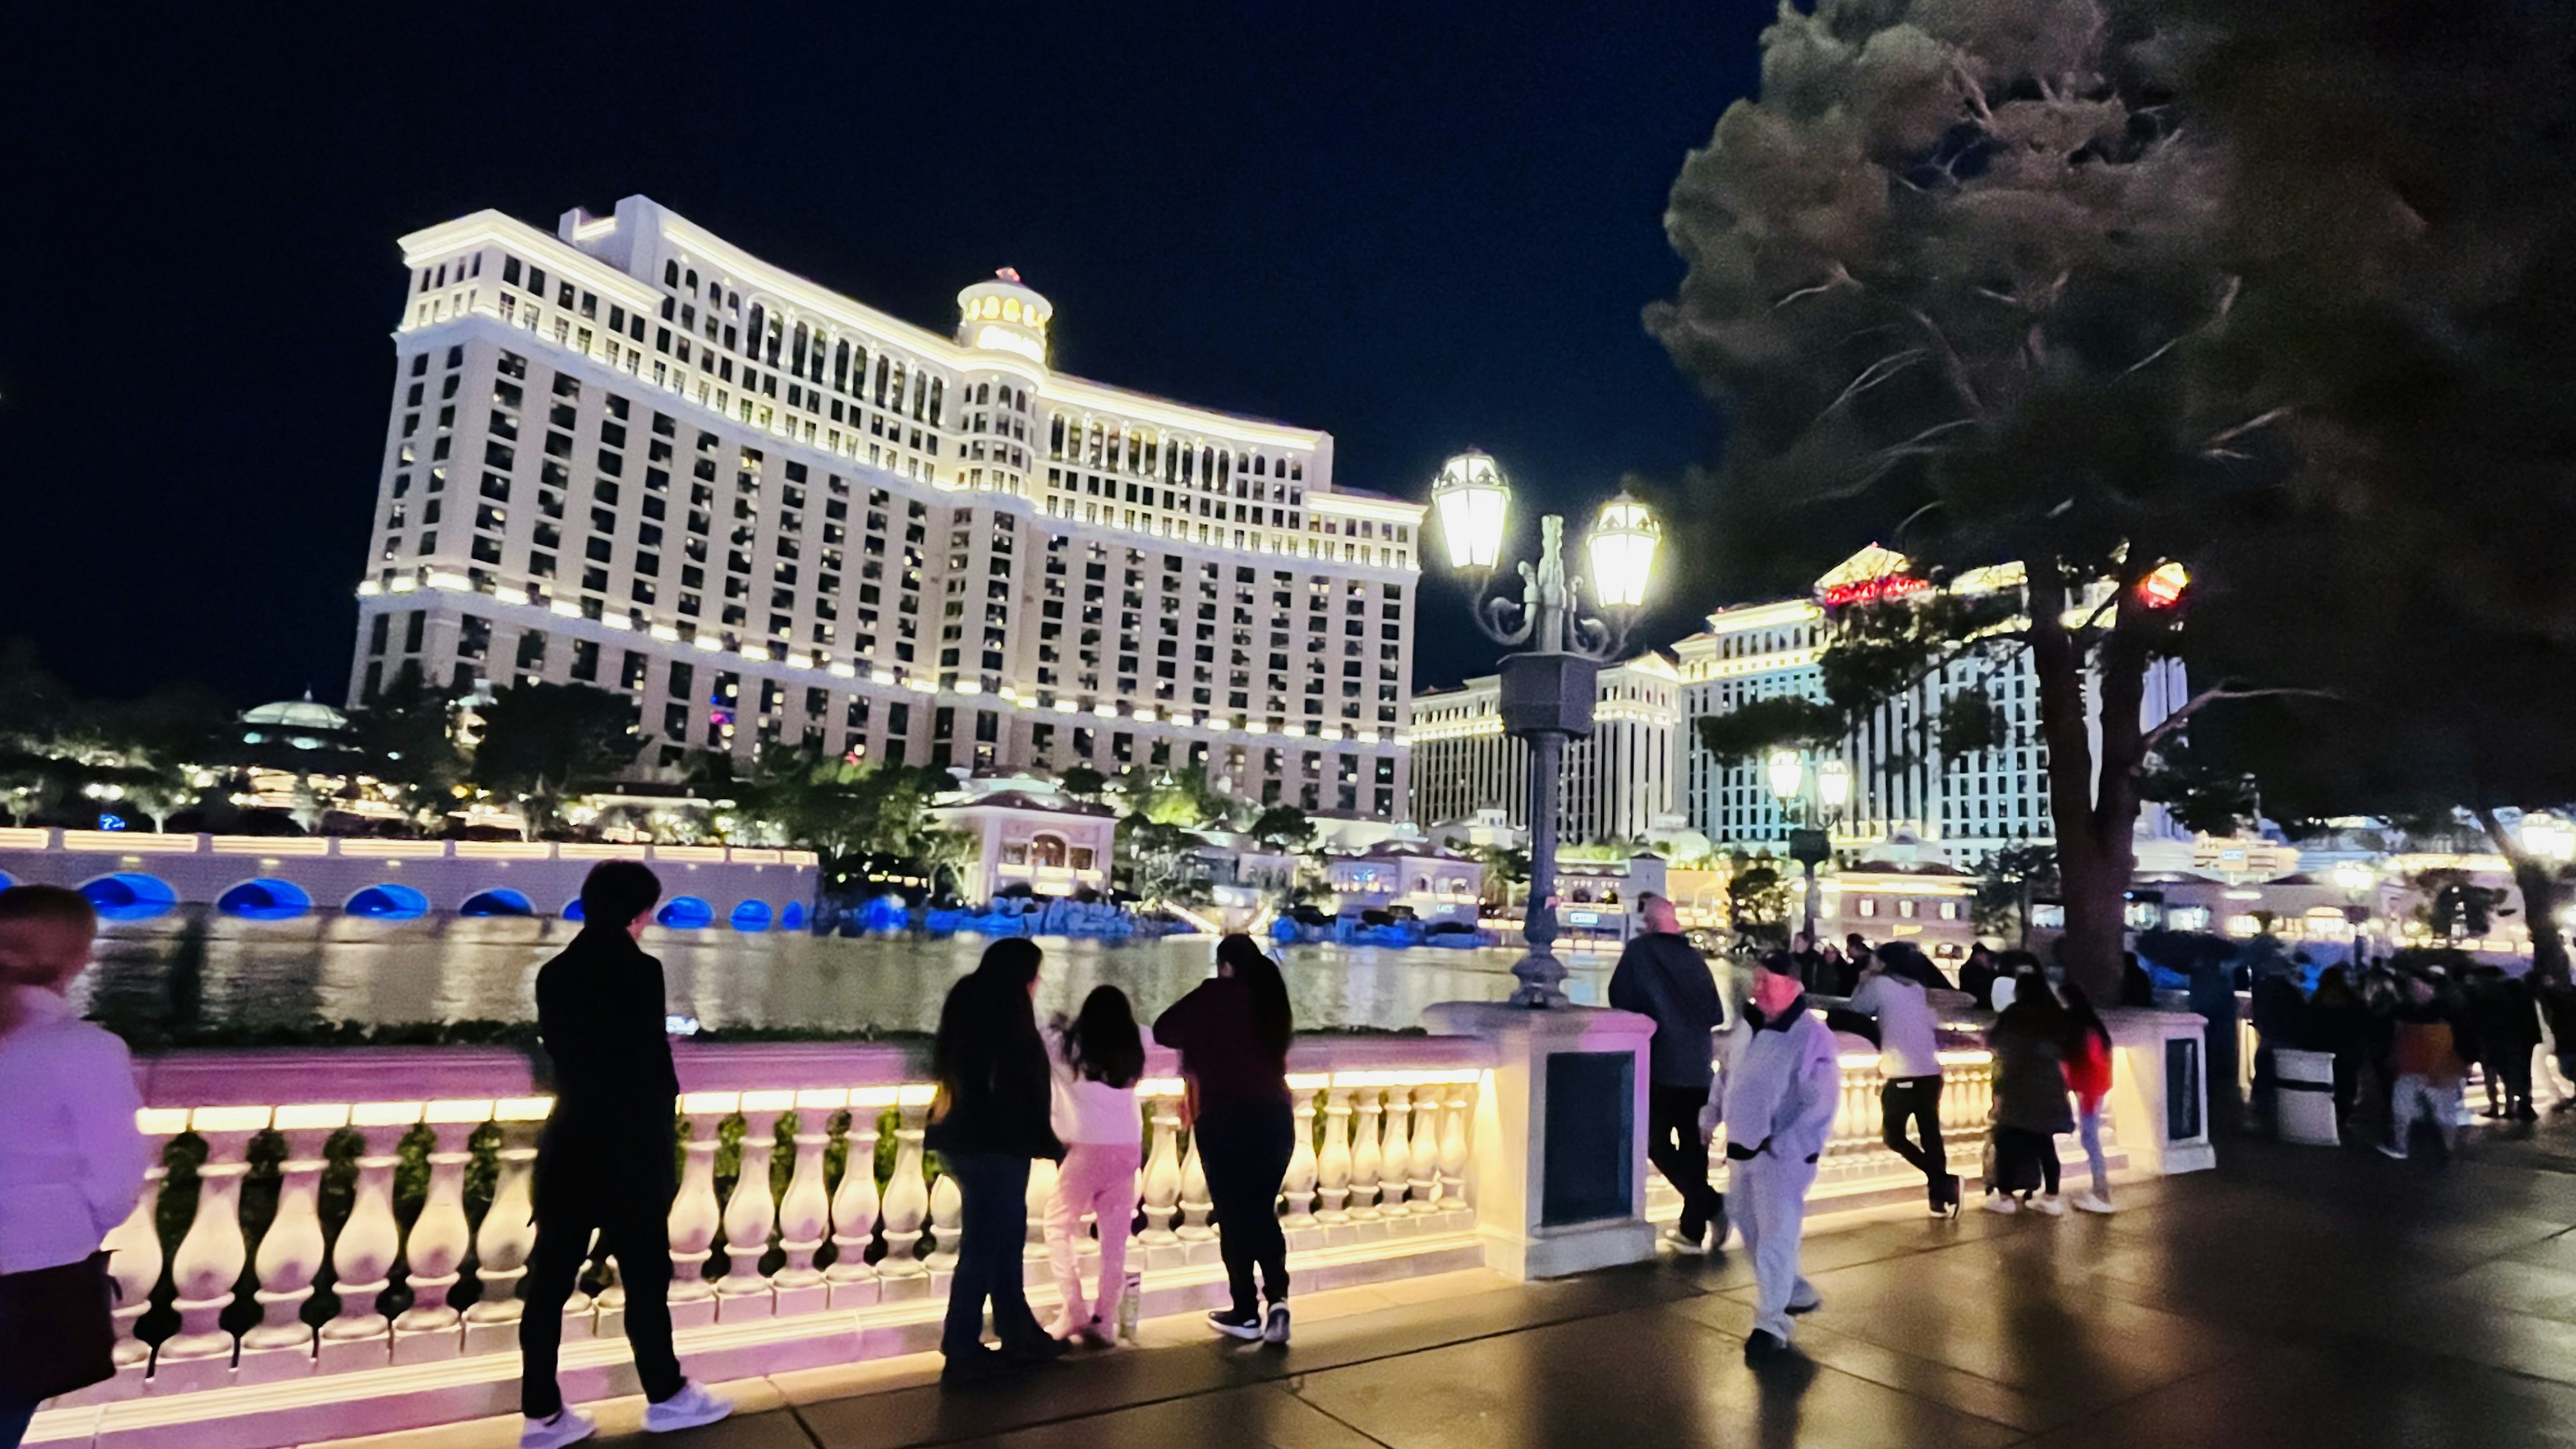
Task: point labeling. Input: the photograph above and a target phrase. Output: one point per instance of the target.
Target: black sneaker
(1235, 1324)
(976, 1366)
(1039, 1350)
(1763, 1347)
(1274, 1329)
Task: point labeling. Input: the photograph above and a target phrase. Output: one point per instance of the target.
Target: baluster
(1423, 1172)
(1395, 1153)
(291, 1252)
(509, 1231)
(907, 1199)
(947, 1221)
(1299, 1186)
(1196, 1205)
(1333, 1164)
(1163, 1170)
(135, 1257)
(852, 1279)
(209, 1262)
(362, 1259)
(429, 1330)
(1454, 1142)
(805, 1213)
(695, 1213)
(1365, 1159)
(751, 1212)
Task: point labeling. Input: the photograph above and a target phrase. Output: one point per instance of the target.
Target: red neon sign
(1871, 591)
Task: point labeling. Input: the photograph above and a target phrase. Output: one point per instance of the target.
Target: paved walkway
(2293, 1297)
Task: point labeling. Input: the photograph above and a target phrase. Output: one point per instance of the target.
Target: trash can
(2306, 1106)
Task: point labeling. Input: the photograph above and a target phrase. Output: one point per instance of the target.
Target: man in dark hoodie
(1659, 975)
(605, 1161)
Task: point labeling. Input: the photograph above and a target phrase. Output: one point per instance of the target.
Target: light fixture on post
(1471, 502)
(1811, 843)
(2354, 878)
(1547, 687)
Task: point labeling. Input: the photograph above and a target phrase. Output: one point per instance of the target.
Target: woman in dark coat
(988, 1123)
(2029, 1042)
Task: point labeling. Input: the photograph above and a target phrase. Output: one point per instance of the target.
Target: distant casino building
(633, 455)
(1902, 788)
(1615, 782)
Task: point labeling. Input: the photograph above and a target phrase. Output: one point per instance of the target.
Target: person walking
(1909, 1067)
(605, 1158)
(2338, 1024)
(1778, 1087)
(1232, 1032)
(1096, 1059)
(2425, 1057)
(2088, 1076)
(71, 1163)
(1661, 977)
(2029, 1044)
(990, 1119)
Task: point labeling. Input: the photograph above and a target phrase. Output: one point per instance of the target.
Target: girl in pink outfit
(1097, 1059)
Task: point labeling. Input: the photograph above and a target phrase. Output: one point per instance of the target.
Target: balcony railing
(334, 1240)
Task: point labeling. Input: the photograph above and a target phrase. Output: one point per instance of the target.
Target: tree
(1757, 903)
(406, 737)
(2009, 880)
(1084, 783)
(1181, 797)
(844, 807)
(2404, 199)
(540, 738)
(1283, 827)
(1946, 274)
(1153, 858)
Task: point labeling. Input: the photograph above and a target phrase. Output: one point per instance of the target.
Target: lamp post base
(1540, 975)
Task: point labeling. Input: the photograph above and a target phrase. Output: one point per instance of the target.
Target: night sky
(1417, 227)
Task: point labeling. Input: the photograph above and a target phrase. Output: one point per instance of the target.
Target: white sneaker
(1274, 1329)
(2053, 1206)
(687, 1409)
(1672, 1238)
(2093, 1203)
(567, 1426)
(1999, 1203)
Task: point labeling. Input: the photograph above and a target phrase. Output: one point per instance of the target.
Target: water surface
(333, 968)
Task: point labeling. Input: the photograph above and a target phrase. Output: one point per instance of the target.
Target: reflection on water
(332, 968)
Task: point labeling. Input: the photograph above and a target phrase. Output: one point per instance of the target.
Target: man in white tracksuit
(1779, 1083)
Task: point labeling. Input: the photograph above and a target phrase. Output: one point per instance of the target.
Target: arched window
(690, 281)
(671, 272)
(936, 385)
(1047, 851)
(841, 367)
(796, 354)
(757, 313)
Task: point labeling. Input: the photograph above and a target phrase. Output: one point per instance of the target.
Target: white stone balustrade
(855, 1272)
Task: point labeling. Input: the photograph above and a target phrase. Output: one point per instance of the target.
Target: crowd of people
(2404, 1032)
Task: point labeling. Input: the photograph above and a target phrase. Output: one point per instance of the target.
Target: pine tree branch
(2182, 713)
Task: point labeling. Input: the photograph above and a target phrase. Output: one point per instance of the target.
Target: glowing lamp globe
(2353, 876)
(1786, 772)
(1469, 500)
(1833, 783)
(2549, 839)
(1623, 552)
(2163, 588)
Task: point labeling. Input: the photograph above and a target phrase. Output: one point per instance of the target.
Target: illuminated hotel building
(1615, 781)
(634, 456)
(1902, 787)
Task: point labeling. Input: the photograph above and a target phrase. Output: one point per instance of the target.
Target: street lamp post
(2353, 878)
(1547, 687)
(1811, 841)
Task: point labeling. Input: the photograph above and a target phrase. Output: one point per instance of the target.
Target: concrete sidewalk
(2295, 1296)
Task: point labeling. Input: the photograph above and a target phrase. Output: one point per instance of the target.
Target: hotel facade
(632, 455)
(1614, 784)
(1903, 790)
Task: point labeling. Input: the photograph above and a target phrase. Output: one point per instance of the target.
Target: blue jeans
(993, 1227)
(13, 1423)
(2088, 1130)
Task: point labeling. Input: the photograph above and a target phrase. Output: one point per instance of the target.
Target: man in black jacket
(1659, 975)
(605, 1161)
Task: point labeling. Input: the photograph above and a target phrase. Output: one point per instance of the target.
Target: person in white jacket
(1779, 1084)
(71, 1163)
